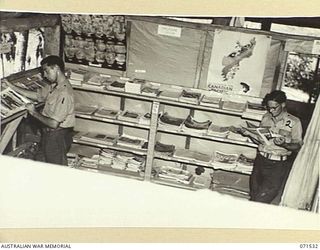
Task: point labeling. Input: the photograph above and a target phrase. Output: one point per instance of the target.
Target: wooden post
(152, 139)
(8, 132)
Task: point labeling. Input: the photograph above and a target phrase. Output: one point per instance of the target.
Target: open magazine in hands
(264, 137)
(260, 134)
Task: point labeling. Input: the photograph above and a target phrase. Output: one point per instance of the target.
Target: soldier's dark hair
(276, 95)
(53, 60)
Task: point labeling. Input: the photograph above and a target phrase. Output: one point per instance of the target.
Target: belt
(274, 157)
(48, 130)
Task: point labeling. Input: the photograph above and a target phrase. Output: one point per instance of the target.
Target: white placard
(169, 31)
(316, 47)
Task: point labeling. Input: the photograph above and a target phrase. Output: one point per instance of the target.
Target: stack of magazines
(170, 94)
(107, 113)
(77, 77)
(211, 101)
(192, 126)
(237, 137)
(244, 164)
(99, 80)
(189, 96)
(135, 164)
(167, 121)
(87, 162)
(129, 116)
(191, 155)
(150, 90)
(133, 86)
(225, 161)
(217, 131)
(164, 148)
(131, 141)
(145, 119)
(98, 138)
(173, 173)
(12, 102)
(254, 110)
(116, 86)
(85, 110)
(234, 106)
(106, 157)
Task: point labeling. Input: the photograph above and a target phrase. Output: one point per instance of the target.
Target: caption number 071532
(309, 246)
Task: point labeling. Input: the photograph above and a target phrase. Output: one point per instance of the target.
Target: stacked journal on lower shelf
(12, 102)
(131, 142)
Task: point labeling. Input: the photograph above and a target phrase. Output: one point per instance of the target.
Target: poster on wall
(237, 62)
(95, 40)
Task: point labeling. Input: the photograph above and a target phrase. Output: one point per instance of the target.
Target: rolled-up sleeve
(60, 108)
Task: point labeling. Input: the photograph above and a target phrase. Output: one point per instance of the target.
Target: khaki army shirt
(286, 125)
(59, 103)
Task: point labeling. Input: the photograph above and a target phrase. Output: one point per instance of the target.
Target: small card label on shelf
(140, 71)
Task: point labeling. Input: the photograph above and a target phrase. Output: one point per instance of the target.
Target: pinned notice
(5, 47)
(316, 47)
(169, 31)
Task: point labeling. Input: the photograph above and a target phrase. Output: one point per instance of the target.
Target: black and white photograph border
(146, 188)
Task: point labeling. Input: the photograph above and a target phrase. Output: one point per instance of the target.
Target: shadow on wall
(301, 110)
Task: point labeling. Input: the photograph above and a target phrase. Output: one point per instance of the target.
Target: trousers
(267, 178)
(56, 144)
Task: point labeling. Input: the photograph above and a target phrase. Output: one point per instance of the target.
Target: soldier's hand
(279, 141)
(30, 107)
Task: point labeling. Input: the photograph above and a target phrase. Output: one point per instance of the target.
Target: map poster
(237, 62)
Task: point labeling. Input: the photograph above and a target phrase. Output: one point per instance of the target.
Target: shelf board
(199, 107)
(118, 148)
(113, 92)
(192, 162)
(114, 172)
(13, 117)
(212, 165)
(173, 184)
(99, 89)
(114, 121)
(207, 137)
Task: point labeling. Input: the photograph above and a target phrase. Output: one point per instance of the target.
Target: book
(190, 97)
(12, 102)
(133, 87)
(169, 120)
(234, 106)
(129, 116)
(211, 101)
(192, 155)
(130, 141)
(99, 138)
(107, 113)
(150, 90)
(225, 158)
(117, 86)
(218, 131)
(99, 80)
(77, 74)
(85, 110)
(145, 119)
(170, 94)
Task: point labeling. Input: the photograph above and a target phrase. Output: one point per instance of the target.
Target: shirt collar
(280, 117)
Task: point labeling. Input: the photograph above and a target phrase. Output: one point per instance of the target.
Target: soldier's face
(275, 108)
(50, 73)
